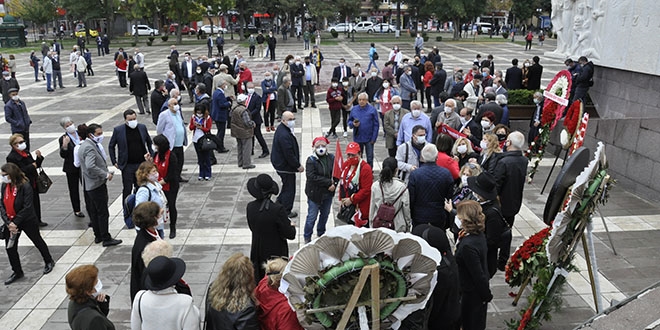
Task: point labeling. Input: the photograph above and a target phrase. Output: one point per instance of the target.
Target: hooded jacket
(274, 310)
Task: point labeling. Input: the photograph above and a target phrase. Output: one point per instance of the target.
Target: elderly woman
(230, 301)
(88, 306)
(68, 142)
(268, 222)
(463, 152)
(163, 248)
(471, 251)
(150, 190)
(20, 155)
(275, 312)
(18, 216)
(144, 217)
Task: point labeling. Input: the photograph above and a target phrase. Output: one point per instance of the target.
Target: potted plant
(521, 104)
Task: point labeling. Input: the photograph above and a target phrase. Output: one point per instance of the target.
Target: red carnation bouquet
(527, 259)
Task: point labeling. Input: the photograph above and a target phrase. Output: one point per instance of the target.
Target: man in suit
(253, 105)
(158, 98)
(188, 69)
(132, 141)
(286, 160)
(341, 71)
(498, 88)
(220, 44)
(95, 175)
(140, 88)
(513, 78)
(297, 81)
(438, 83)
(226, 77)
(272, 42)
(535, 120)
(534, 75)
(170, 81)
(220, 113)
(469, 126)
(491, 105)
(209, 45)
(17, 116)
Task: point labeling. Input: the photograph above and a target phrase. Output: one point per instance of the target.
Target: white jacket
(47, 65)
(81, 64)
(164, 310)
(391, 191)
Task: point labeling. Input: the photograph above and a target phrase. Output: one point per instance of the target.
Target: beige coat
(391, 190)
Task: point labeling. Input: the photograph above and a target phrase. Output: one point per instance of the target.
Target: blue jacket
(219, 106)
(285, 155)
(297, 75)
(268, 87)
(17, 116)
(118, 139)
(254, 107)
(429, 186)
(407, 86)
(369, 124)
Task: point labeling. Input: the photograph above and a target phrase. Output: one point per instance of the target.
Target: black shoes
(247, 167)
(97, 240)
(79, 214)
(264, 155)
(172, 233)
(49, 267)
(222, 151)
(112, 242)
(293, 214)
(42, 224)
(13, 278)
(183, 180)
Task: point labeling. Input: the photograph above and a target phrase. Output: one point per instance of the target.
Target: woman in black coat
(88, 307)
(18, 216)
(20, 155)
(168, 177)
(269, 223)
(144, 217)
(471, 251)
(68, 141)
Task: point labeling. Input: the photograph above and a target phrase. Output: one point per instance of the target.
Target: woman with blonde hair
(463, 151)
(274, 310)
(230, 301)
(490, 148)
(150, 190)
(471, 251)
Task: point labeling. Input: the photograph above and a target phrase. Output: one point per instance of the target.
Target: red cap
(320, 138)
(353, 148)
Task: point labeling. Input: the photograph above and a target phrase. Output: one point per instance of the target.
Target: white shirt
(189, 67)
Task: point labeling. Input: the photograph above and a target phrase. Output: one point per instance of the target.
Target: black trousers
(297, 92)
(334, 121)
(428, 98)
(36, 202)
(73, 182)
(190, 88)
(222, 127)
(344, 119)
(288, 192)
(122, 78)
(178, 151)
(171, 203)
(260, 138)
(221, 51)
(98, 212)
(308, 90)
(269, 113)
(31, 229)
(473, 311)
(128, 180)
(272, 53)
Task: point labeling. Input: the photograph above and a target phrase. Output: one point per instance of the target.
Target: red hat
(320, 138)
(353, 148)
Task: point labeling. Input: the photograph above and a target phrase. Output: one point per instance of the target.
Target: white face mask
(154, 147)
(464, 180)
(268, 77)
(153, 177)
(98, 139)
(334, 85)
(199, 71)
(71, 129)
(420, 139)
(132, 123)
(345, 83)
(386, 85)
(320, 150)
(483, 144)
(526, 64)
(374, 74)
(291, 123)
(409, 73)
(173, 77)
(97, 288)
(461, 149)
(7, 78)
(396, 106)
(297, 62)
(250, 90)
(416, 113)
(463, 120)
(275, 71)
(15, 98)
(6, 179)
(22, 146)
(177, 108)
(537, 101)
(485, 123)
(448, 110)
(199, 115)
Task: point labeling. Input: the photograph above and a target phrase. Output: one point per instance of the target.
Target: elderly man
(157, 99)
(407, 87)
(408, 154)
(224, 76)
(170, 81)
(414, 118)
(297, 81)
(17, 116)
(285, 101)
(391, 123)
(474, 88)
(244, 76)
(170, 124)
(535, 121)
(285, 158)
(364, 122)
(242, 128)
(95, 175)
(220, 113)
(140, 87)
(429, 186)
(448, 116)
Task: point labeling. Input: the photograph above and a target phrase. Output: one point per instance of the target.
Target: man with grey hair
(139, 86)
(535, 121)
(414, 118)
(297, 81)
(81, 67)
(224, 75)
(285, 101)
(448, 116)
(502, 101)
(510, 174)
(242, 128)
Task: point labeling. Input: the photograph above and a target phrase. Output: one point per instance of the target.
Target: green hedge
(521, 97)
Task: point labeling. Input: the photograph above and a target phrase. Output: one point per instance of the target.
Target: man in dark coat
(286, 160)
(374, 83)
(158, 98)
(429, 186)
(319, 188)
(341, 70)
(438, 83)
(297, 81)
(268, 222)
(535, 120)
(583, 80)
(253, 105)
(219, 113)
(491, 105)
(17, 116)
(513, 78)
(140, 88)
(6, 84)
(272, 42)
(534, 75)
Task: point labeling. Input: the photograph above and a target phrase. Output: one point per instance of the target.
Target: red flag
(454, 134)
(339, 161)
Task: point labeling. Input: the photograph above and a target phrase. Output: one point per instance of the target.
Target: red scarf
(10, 197)
(163, 165)
(22, 153)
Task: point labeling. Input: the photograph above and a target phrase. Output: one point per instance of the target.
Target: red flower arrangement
(525, 319)
(572, 117)
(521, 264)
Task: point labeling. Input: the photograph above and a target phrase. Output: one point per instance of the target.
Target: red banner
(454, 134)
(339, 161)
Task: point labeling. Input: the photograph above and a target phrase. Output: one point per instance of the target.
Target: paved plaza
(212, 214)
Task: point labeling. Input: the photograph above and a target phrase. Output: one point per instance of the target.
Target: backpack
(386, 212)
(375, 56)
(129, 206)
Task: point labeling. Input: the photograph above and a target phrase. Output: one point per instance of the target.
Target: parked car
(484, 27)
(80, 31)
(216, 29)
(386, 28)
(365, 26)
(184, 29)
(341, 27)
(144, 30)
(251, 28)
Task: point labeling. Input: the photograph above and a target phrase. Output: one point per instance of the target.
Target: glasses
(19, 142)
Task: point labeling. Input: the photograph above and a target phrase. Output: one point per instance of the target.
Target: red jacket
(206, 127)
(449, 163)
(274, 310)
(244, 77)
(362, 198)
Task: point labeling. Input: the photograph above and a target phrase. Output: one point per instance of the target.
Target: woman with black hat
(269, 223)
(160, 307)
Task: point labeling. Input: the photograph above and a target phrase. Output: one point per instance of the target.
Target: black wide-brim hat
(484, 185)
(262, 185)
(164, 272)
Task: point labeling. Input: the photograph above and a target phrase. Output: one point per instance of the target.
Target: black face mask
(501, 137)
(306, 62)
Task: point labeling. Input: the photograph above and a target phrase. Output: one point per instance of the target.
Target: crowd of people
(454, 174)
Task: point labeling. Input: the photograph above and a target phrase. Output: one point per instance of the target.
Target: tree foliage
(457, 11)
(36, 11)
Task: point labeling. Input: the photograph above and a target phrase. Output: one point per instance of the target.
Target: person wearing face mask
(463, 152)
(502, 132)
(269, 99)
(223, 75)
(242, 128)
(188, 68)
(147, 217)
(316, 58)
(448, 116)
(335, 97)
(395, 56)
(17, 116)
(21, 156)
(285, 101)
(95, 176)
(272, 42)
(140, 87)
(341, 70)
(373, 84)
(201, 124)
(297, 81)
(219, 113)
(253, 105)
(355, 185)
(244, 77)
(474, 88)
(170, 124)
(285, 158)
(408, 153)
(490, 151)
(6, 84)
(67, 142)
(491, 106)
(535, 120)
(391, 122)
(429, 185)
(320, 187)
(199, 77)
(170, 81)
(525, 73)
(414, 118)
(383, 98)
(498, 88)
(88, 307)
(364, 122)
(310, 78)
(157, 98)
(407, 87)
(129, 143)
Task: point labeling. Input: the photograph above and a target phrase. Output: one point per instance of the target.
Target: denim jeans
(372, 62)
(368, 148)
(49, 77)
(203, 160)
(313, 210)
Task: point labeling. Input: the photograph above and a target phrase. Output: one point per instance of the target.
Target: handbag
(346, 214)
(43, 181)
(208, 143)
